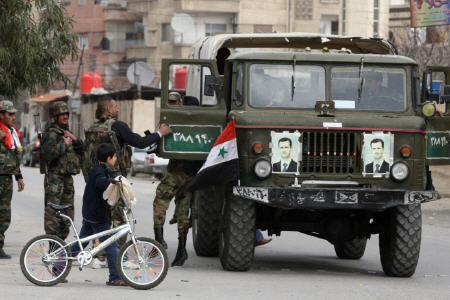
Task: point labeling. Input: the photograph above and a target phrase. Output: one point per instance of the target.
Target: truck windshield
(284, 86)
(382, 88)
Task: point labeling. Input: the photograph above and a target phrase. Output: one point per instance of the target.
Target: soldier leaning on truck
(61, 152)
(10, 155)
(108, 111)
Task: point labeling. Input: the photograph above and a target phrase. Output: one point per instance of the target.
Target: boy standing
(96, 211)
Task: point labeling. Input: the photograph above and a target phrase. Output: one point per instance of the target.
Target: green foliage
(35, 39)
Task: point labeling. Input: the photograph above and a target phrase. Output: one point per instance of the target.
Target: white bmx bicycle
(142, 262)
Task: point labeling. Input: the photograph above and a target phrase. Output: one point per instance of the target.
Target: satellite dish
(140, 73)
(182, 23)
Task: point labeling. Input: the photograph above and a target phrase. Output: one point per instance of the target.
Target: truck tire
(353, 249)
(400, 238)
(237, 236)
(205, 223)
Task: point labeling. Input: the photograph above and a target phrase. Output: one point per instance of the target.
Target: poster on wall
(286, 150)
(377, 154)
(426, 13)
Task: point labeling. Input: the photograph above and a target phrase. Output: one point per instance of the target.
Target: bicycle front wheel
(144, 265)
(45, 260)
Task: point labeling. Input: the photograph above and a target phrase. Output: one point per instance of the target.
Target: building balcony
(222, 6)
(139, 7)
(139, 51)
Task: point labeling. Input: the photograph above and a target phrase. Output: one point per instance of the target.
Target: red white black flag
(222, 163)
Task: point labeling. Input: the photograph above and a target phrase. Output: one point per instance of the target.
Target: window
(279, 86)
(188, 86)
(379, 88)
(81, 2)
(376, 18)
(344, 16)
(260, 28)
(213, 29)
(239, 85)
(166, 32)
(83, 41)
(65, 2)
(329, 24)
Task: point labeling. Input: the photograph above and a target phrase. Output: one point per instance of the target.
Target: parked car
(142, 162)
(31, 155)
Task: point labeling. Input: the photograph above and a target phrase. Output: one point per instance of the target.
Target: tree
(35, 38)
(427, 46)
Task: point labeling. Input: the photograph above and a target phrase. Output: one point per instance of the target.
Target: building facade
(172, 26)
(104, 29)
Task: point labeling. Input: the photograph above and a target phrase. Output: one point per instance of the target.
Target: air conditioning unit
(123, 3)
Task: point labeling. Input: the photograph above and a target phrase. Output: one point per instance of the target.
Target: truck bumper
(319, 198)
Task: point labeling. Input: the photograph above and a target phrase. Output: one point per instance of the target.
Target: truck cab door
(192, 104)
(436, 91)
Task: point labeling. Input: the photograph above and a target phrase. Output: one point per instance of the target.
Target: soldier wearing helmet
(61, 152)
(11, 150)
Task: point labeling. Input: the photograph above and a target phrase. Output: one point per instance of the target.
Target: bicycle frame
(116, 233)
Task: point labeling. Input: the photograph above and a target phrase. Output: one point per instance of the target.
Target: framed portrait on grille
(377, 154)
(286, 150)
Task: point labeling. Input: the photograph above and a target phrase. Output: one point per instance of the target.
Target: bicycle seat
(59, 207)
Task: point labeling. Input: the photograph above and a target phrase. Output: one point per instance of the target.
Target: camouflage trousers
(6, 190)
(171, 186)
(58, 190)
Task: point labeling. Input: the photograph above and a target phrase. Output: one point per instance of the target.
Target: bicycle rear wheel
(45, 260)
(145, 268)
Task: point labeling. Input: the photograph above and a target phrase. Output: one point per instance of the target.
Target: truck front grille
(331, 152)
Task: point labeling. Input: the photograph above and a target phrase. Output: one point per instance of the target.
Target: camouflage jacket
(9, 159)
(57, 156)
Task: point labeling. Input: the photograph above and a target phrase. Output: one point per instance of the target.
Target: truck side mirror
(213, 84)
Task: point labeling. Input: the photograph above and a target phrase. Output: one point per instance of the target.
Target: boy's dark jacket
(95, 208)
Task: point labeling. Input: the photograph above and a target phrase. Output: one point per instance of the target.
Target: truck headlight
(263, 168)
(399, 171)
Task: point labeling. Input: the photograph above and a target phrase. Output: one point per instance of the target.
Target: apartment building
(105, 29)
(172, 26)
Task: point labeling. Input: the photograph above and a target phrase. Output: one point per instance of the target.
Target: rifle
(37, 124)
(115, 142)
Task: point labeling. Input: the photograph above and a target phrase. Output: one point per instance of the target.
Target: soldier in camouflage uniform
(179, 174)
(10, 155)
(107, 119)
(61, 152)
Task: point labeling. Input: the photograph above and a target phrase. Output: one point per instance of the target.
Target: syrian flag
(222, 163)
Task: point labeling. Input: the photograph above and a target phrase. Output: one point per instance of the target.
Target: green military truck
(335, 136)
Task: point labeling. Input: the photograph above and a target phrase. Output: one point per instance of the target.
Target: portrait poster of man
(377, 153)
(286, 149)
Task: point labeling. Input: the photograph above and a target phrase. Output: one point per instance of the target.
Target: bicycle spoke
(52, 267)
(144, 267)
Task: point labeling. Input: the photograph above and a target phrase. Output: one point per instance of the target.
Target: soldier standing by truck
(121, 136)
(179, 174)
(11, 153)
(61, 152)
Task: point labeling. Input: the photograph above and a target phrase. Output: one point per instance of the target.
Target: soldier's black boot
(3, 255)
(159, 236)
(181, 255)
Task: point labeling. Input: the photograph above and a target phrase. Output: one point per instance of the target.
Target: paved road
(293, 266)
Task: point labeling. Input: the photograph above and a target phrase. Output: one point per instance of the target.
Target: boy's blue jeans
(112, 251)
